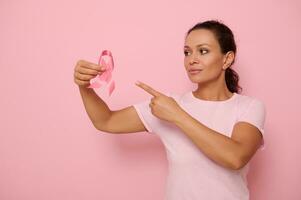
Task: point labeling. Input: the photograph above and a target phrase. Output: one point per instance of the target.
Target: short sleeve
(144, 113)
(255, 114)
(151, 122)
(148, 119)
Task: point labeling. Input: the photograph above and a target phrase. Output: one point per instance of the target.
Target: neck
(214, 91)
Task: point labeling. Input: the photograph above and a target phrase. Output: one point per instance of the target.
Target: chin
(196, 82)
(195, 79)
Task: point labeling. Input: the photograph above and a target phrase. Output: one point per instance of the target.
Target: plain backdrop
(49, 149)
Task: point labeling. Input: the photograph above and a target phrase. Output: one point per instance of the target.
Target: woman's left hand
(162, 106)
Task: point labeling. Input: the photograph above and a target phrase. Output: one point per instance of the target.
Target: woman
(210, 134)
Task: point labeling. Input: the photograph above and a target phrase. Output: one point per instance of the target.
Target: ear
(228, 59)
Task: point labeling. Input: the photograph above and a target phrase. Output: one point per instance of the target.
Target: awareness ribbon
(105, 60)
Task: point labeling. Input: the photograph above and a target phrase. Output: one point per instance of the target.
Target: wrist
(84, 87)
(180, 117)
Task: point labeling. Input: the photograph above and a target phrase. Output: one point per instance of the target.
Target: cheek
(213, 68)
(213, 63)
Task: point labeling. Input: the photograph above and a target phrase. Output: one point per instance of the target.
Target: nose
(193, 59)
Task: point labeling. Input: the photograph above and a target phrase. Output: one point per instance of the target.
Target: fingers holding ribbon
(106, 60)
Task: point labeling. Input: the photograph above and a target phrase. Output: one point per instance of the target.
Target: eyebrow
(198, 45)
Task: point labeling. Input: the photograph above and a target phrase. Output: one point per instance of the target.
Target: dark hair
(226, 42)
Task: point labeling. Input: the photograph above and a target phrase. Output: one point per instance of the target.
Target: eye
(185, 53)
(203, 50)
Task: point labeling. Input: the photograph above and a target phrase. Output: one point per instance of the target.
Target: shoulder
(246, 100)
(247, 103)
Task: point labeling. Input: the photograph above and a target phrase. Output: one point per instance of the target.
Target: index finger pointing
(148, 89)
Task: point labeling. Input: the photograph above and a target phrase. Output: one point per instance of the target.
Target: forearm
(97, 110)
(218, 147)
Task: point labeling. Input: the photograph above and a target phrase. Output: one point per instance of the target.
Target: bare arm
(125, 120)
(97, 110)
(234, 152)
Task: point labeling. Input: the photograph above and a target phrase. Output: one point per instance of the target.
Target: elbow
(237, 166)
(97, 127)
(102, 127)
(105, 126)
(238, 163)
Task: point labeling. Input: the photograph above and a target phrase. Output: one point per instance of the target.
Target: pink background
(49, 149)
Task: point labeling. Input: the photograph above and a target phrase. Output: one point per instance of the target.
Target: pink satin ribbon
(106, 60)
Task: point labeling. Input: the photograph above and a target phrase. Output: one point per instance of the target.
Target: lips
(194, 71)
(194, 68)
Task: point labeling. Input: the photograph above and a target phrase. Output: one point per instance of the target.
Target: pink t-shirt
(192, 175)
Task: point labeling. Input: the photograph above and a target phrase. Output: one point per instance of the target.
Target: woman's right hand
(84, 71)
